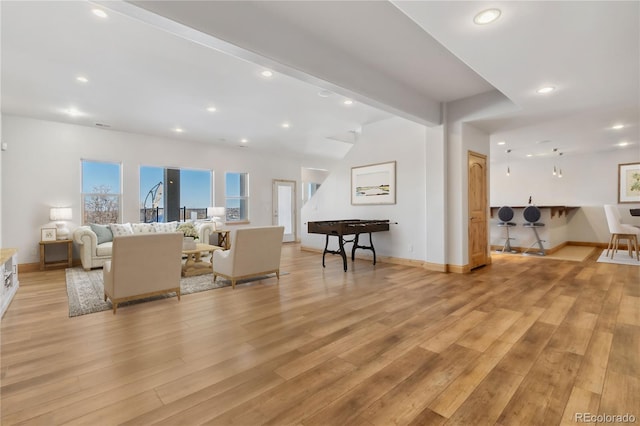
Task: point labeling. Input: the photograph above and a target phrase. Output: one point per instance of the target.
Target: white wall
(393, 139)
(42, 169)
(589, 181)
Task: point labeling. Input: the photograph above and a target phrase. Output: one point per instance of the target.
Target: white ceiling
(150, 74)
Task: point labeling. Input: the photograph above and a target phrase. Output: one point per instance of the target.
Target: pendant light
(559, 165)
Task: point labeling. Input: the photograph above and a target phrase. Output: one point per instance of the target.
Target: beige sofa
(254, 251)
(143, 266)
(94, 254)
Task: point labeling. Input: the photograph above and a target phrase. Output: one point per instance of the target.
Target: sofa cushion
(104, 249)
(142, 228)
(165, 227)
(103, 232)
(119, 229)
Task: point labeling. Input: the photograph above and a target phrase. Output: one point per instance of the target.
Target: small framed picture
(48, 234)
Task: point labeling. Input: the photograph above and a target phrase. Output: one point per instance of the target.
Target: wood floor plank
(409, 398)
(346, 408)
(487, 401)
(520, 341)
(580, 401)
(543, 395)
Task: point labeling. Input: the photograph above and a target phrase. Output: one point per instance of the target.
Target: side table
(66, 263)
(224, 238)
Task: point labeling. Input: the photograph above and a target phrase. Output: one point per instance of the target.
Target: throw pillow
(165, 227)
(119, 229)
(103, 232)
(142, 228)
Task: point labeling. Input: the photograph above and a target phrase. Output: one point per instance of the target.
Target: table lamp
(60, 215)
(216, 214)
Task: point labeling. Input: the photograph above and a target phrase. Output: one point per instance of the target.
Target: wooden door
(477, 198)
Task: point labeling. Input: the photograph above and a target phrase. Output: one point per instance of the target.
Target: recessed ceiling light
(324, 93)
(501, 143)
(244, 140)
(100, 13)
(212, 109)
(487, 16)
(82, 79)
(529, 155)
(618, 127)
(286, 125)
(623, 143)
(546, 89)
(348, 102)
(266, 73)
(74, 112)
(178, 130)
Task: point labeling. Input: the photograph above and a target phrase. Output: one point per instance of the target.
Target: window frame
(244, 176)
(84, 195)
(163, 169)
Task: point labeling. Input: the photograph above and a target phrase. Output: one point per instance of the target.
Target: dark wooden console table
(340, 228)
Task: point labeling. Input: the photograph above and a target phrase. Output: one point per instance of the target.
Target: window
(168, 194)
(101, 192)
(237, 197)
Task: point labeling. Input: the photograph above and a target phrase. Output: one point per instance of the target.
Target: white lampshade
(215, 212)
(60, 215)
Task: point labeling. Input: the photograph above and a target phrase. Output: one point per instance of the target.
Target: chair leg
(115, 307)
(278, 275)
(178, 292)
(610, 246)
(233, 283)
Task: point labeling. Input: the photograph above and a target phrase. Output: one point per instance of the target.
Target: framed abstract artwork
(373, 184)
(629, 183)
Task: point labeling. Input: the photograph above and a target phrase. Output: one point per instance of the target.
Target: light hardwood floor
(524, 341)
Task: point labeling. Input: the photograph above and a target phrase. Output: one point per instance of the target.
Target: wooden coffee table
(194, 264)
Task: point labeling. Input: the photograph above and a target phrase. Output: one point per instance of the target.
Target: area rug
(575, 253)
(620, 257)
(85, 290)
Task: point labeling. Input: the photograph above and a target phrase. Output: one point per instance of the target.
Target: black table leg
(342, 253)
(372, 249)
(355, 246)
(326, 244)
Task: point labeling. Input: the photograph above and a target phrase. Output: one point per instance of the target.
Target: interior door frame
(294, 207)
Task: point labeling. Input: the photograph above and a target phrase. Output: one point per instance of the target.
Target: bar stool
(505, 215)
(532, 216)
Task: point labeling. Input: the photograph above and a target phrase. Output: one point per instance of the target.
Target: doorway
(284, 208)
(478, 207)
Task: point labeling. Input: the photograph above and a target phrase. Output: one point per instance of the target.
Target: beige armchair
(143, 265)
(254, 251)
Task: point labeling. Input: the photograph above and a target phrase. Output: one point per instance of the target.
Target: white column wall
(42, 169)
(436, 196)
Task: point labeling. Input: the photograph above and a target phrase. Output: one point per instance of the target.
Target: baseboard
(437, 267)
(35, 267)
